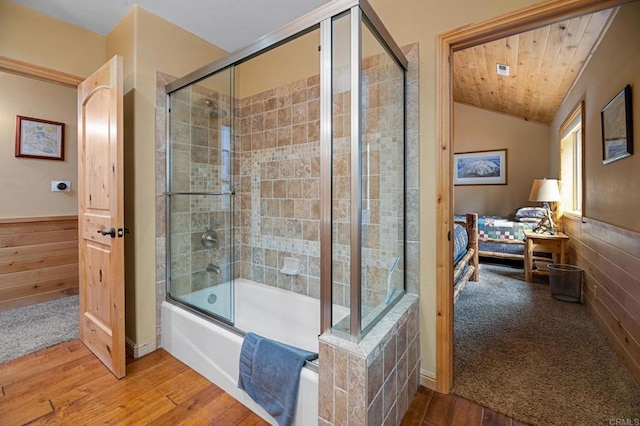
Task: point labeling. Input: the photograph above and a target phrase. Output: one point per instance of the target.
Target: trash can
(565, 282)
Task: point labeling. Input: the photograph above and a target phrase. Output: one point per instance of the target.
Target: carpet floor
(541, 361)
(31, 328)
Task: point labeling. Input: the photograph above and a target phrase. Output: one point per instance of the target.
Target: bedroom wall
(606, 240)
(610, 190)
(527, 145)
(26, 182)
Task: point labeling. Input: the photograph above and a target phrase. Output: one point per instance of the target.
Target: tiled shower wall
(279, 186)
(279, 183)
(382, 174)
(300, 164)
(373, 381)
(201, 148)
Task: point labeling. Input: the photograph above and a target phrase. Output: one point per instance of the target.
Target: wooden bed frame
(470, 258)
(499, 255)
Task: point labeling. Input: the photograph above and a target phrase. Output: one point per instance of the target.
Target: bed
(465, 253)
(503, 237)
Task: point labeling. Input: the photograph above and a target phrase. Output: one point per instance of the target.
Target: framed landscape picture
(617, 127)
(480, 168)
(37, 138)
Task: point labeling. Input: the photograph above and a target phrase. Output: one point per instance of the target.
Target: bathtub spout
(213, 268)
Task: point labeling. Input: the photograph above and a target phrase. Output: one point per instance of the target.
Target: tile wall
(279, 186)
(277, 183)
(372, 382)
(201, 149)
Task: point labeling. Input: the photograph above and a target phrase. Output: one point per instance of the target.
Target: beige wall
(26, 182)
(293, 61)
(610, 190)
(298, 59)
(148, 44)
(33, 37)
(527, 147)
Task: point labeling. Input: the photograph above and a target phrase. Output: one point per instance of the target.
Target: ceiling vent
(502, 69)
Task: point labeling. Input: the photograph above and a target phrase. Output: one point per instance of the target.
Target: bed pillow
(531, 213)
(529, 220)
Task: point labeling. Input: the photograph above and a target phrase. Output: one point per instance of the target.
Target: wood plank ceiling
(543, 64)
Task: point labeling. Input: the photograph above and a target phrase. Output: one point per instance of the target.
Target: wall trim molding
(428, 379)
(137, 351)
(31, 70)
(524, 19)
(38, 218)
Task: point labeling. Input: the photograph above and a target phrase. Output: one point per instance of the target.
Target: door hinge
(449, 236)
(122, 231)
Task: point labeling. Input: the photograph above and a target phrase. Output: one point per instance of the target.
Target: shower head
(216, 112)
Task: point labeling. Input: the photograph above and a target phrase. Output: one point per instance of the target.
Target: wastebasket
(565, 282)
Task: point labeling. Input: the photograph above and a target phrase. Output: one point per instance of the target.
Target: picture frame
(617, 127)
(37, 138)
(480, 168)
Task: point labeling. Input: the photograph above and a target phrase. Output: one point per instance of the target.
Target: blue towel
(270, 374)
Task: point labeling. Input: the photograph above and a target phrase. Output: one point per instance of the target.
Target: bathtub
(214, 351)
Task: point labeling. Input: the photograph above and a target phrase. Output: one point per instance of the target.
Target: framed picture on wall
(36, 138)
(617, 127)
(480, 168)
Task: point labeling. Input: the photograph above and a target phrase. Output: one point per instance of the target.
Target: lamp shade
(545, 190)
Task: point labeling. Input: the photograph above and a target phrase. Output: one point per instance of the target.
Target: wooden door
(101, 215)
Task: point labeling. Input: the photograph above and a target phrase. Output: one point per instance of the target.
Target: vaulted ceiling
(543, 64)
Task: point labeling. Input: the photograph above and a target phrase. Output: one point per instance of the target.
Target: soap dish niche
(291, 266)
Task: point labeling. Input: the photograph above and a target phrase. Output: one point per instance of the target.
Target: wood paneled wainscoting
(610, 257)
(38, 259)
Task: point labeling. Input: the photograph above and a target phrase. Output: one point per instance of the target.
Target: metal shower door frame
(321, 18)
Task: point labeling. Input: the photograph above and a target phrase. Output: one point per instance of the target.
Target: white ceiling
(229, 24)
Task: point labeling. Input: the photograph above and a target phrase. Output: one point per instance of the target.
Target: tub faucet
(213, 268)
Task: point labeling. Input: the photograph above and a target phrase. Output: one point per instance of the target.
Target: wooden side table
(557, 244)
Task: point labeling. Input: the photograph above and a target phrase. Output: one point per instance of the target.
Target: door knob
(111, 232)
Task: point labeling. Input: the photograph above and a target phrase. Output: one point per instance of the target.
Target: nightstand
(556, 244)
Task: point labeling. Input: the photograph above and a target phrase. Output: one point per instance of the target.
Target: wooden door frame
(506, 25)
(36, 71)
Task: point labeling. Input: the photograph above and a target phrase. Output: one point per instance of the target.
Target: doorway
(513, 23)
(38, 223)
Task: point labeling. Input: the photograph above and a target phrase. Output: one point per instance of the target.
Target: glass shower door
(382, 168)
(200, 196)
(367, 158)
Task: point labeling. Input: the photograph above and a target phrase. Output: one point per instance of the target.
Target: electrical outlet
(60, 186)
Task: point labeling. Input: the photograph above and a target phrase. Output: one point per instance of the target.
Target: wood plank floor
(67, 384)
(437, 409)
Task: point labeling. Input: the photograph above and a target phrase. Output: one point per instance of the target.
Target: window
(571, 147)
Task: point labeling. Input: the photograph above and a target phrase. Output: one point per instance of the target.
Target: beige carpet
(31, 328)
(539, 360)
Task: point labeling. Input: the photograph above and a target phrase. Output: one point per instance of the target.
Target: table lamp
(545, 191)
